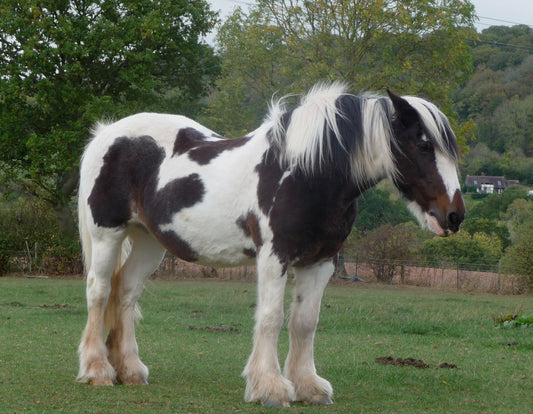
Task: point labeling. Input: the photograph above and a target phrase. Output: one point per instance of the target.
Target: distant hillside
(499, 99)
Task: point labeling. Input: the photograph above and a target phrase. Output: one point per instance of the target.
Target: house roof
(495, 180)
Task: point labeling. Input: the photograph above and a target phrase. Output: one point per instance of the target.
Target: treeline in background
(66, 65)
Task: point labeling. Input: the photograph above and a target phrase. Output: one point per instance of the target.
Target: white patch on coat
(425, 220)
(216, 237)
(448, 171)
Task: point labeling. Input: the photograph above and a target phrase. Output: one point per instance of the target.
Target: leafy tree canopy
(287, 46)
(498, 99)
(494, 206)
(65, 64)
(379, 206)
(518, 258)
(464, 248)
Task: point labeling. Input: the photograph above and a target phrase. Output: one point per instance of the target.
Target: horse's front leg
(264, 382)
(300, 365)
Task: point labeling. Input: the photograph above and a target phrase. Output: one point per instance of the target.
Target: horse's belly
(207, 240)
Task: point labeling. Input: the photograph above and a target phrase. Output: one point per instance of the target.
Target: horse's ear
(404, 112)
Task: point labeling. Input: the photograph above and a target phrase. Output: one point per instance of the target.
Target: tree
(499, 47)
(490, 227)
(66, 64)
(494, 205)
(380, 206)
(518, 214)
(498, 98)
(254, 65)
(285, 46)
(386, 248)
(373, 43)
(511, 164)
(518, 258)
(513, 122)
(464, 249)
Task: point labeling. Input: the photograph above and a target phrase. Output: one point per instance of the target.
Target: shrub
(518, 258)
(463, 248)
(30, 224)
(387, 248)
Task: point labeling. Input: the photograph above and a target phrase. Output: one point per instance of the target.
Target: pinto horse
(284, 195)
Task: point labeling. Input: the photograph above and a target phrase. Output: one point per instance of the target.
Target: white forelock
(435, 122)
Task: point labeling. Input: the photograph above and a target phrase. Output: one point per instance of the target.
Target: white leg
(265, 383)
(94, 365)
(300, 365)
(146, 254)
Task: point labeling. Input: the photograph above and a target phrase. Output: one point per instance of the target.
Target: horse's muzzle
(446, 218)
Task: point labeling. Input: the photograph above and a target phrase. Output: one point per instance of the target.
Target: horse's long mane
(333, 129)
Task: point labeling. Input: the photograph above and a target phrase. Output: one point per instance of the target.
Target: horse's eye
(425, 146)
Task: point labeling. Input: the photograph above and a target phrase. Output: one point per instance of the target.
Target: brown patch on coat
(209, 150)
(187, 139)
(177, 246)
(158, 208)
(128, 180)
(201, 151)
(270, 173)
(128, 164)
(250, 226)
(251, 253)
(311, 217)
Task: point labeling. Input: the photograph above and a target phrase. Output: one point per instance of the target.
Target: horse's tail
(111, 311)
(85, 237)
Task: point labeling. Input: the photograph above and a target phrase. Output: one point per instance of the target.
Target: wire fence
(470, 277)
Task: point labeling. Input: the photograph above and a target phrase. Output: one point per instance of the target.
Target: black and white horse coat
(284, 195)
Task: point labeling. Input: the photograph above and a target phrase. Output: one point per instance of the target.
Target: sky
(490, 12)
(503, 12)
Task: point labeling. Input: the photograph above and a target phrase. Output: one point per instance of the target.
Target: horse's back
(161, 127)
(147, 129)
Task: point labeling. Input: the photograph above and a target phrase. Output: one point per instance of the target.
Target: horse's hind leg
(146, 254)
(94, 365)
(300, 366)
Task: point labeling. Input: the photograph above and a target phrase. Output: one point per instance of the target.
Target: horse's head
(425, 153)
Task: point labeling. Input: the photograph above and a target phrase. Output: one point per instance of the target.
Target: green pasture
(196, 337)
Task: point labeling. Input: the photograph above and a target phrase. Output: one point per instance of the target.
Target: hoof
(275, 403)
(272, 391)
(101, 382)
(313, 390)
(320, 400)
(133, 380)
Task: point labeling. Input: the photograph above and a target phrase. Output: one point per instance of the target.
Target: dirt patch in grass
(216, 328)
(410, 362)
(56, 306)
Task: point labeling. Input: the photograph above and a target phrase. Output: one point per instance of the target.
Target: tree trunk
(65, 219)
(340, 265)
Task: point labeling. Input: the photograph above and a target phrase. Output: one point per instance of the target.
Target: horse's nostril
(454, 221)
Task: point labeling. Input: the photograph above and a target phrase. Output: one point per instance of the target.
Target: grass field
(196, 337)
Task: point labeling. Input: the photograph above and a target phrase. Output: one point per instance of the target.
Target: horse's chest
(310, 219)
